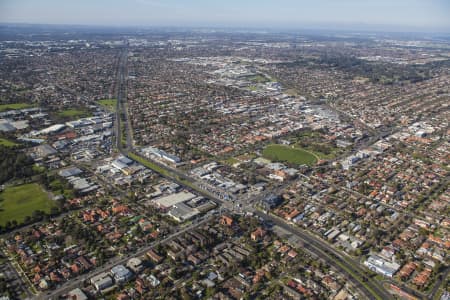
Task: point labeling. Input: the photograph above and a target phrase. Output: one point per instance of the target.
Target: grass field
(7, 143)
(288, 154)
(109, 104)
(5, 107)
(313, 149)
(73, 113)
(20, 201)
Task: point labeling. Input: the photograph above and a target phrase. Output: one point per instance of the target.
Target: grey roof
(182, 212)
(6, 127)
(72, 171)
(120, 271)
(125, 160)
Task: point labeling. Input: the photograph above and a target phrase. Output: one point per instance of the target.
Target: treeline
(14, 164)
(377, 72)
(36, 216)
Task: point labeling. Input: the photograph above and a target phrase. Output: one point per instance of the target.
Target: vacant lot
(109, 104)
(288, 154)
(5, 107)
(20, 201)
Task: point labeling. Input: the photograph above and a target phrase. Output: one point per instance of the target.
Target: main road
(72, 284)
(352, 269)
(349, 267)
(122, 125)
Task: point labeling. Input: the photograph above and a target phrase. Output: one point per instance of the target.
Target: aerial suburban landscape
(199, 163)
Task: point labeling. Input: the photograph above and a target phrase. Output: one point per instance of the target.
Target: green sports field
(288, 154)
(20, 201)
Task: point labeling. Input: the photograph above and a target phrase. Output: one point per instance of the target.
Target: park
(289, 154)
(18, 202)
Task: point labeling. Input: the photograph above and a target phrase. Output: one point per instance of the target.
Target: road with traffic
(369, 287)
(77, 282)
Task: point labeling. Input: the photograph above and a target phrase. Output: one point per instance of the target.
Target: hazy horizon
(403, 15)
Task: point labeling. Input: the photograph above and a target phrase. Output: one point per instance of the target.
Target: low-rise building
(102, 281)
(121, 274)
(379, 265)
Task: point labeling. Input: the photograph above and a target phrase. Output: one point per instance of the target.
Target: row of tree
(14, 164)
(378, 72)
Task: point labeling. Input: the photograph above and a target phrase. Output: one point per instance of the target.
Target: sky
(397, 15)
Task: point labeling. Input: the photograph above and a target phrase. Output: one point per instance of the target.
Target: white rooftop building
(171, 200)
(382, 266)
(121, 274)
(101, 281)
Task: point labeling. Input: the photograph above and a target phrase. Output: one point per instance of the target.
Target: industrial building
(181, 212)
(151, 151)
(72, 171)
(171, 200)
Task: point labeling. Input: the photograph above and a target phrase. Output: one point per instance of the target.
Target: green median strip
(353, 274)
(359, 279)
(342, 266)
(149, 164)
(158, 169)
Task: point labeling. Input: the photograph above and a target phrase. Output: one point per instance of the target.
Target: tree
(210, 291)
(54, 211)
(14, 164)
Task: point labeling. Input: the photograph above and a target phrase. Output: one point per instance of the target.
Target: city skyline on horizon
(403, 15)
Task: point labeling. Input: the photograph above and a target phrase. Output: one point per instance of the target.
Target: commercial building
(181, 212)
(151, 151)
(77, 294)
(72, 171)
(271, 201)
(379, 265)
(171, 200)
(121, 274)
(135, 264)
(102, 281)
(43, 150)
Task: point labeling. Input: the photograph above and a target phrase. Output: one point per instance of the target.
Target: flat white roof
(173, 199)
(99, 277)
